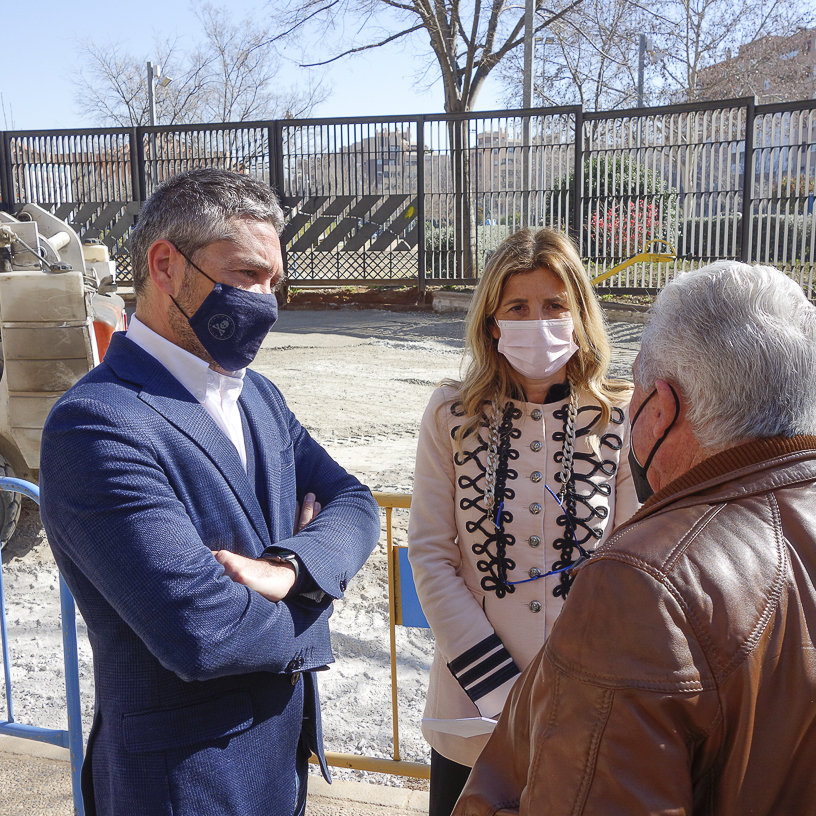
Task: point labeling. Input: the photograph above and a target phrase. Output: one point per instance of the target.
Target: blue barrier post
(72, 738)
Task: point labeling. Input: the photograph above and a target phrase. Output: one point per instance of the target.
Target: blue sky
(40, 50)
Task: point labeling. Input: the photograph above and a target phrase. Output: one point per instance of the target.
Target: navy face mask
(231, 323)
(642, 486)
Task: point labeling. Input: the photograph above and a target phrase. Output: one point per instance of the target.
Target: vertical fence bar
(6, 193)
(392, 612)
(136, 178)
(578, 180)
(275, 148)
(420, 177)
(140, 163)
(748, 183)
(71, 661)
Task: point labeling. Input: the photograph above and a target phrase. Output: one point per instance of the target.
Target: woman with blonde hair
(521, 470)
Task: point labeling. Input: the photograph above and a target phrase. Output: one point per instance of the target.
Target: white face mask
(537, 348)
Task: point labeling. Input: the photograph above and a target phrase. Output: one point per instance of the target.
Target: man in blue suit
(172, 479)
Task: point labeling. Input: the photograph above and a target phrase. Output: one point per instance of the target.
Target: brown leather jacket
(680, 677)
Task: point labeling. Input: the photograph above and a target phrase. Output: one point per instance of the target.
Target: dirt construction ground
(359, 381)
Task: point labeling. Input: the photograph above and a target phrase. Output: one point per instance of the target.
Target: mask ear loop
(666, 432)
(198, 269)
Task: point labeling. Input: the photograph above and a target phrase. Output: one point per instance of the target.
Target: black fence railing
(426, 199)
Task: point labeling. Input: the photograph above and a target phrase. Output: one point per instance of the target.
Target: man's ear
(670, 407)
(166, 265)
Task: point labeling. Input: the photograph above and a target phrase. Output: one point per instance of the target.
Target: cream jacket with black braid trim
(487, 631)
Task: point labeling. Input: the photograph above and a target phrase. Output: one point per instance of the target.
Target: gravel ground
(359, 381)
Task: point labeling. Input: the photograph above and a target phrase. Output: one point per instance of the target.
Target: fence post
(6, 185)
(140, 163)
(136, 178)
(276, 182)
(748, 182)
(275, 139)
(578, 180)
(421, 206)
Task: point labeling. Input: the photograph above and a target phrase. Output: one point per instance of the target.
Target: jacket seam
(687, 540)
(773, 598)
(698, 630)
(602, 718)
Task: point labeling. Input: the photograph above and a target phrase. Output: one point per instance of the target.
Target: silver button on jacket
(535, 446)
(535, 508)
(535, 606)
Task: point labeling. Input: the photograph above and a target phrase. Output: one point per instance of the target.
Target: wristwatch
(282, 556)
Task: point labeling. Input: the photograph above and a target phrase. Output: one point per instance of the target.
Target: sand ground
(359, 381)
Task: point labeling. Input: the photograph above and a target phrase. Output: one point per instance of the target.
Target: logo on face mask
(221, 327)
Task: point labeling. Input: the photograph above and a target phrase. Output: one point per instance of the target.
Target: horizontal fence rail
(426, 199)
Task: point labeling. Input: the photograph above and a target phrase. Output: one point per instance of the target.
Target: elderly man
(681, 675)
(171, 480)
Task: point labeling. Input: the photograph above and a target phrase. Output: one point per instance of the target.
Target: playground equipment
(58, 311)
(646, 255)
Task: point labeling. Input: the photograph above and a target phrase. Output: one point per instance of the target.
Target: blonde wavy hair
(488, 375)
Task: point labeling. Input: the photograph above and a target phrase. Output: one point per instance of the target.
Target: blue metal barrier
(72, 738)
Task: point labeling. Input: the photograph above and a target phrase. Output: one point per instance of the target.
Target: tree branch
(360, 48)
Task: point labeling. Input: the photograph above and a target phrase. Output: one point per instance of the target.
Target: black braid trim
(495, 561)
(581, 512)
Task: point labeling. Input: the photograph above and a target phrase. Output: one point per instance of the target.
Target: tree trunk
(464, 227)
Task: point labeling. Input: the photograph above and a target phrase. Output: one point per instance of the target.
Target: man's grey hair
(740, 341)
(197, 208)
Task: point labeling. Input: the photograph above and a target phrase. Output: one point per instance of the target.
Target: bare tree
(230, 76)
(693, 35)
(587, 58)
(464, 41)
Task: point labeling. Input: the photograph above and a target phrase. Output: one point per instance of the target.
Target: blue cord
(584, 554)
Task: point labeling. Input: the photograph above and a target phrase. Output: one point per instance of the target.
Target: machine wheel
(9, 507)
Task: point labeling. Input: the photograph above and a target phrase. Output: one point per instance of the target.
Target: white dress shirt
(218, 393)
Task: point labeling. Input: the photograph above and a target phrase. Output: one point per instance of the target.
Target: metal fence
(426, 199)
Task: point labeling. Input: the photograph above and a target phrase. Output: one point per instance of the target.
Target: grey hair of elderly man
(681, 673)
(736, 343)
(739, 342)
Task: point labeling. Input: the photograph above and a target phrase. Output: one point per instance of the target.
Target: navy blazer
(199, 704)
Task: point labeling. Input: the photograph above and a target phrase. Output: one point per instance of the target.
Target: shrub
(625, 205)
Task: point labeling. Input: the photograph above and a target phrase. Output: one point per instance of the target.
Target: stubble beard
(183, 331)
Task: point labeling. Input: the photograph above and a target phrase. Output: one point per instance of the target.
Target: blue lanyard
(585, 555)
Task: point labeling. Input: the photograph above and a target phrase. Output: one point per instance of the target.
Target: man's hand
(271, 580)
(303, 515)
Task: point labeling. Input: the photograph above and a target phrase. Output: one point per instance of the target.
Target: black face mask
(231, 323)
(642, 486)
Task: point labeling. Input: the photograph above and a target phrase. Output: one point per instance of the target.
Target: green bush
(624, 205)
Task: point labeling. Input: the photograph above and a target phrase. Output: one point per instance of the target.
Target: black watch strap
(282, 556)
